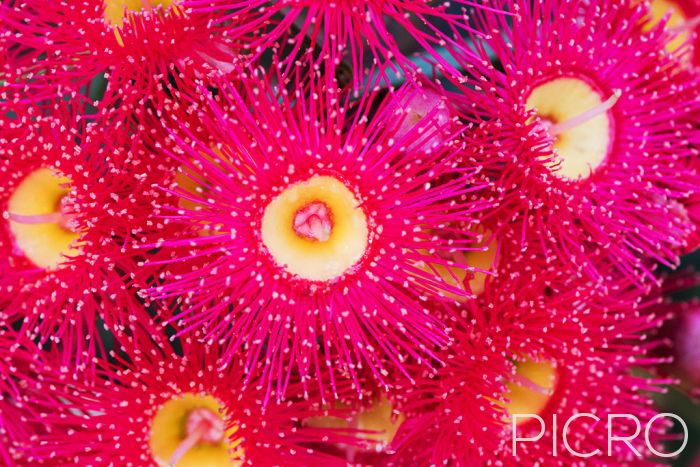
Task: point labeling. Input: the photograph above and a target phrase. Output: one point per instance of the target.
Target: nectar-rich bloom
(345, 232)
(536, 342)
(141, 47)
(163, 406)
(62, 279)
(585, 130)
(313, 237)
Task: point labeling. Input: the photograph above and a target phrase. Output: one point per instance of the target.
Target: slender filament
(583, 117)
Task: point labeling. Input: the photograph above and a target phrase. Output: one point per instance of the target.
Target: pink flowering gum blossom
(121, 406)
(275, 145)
(622, 201)
(543, 315)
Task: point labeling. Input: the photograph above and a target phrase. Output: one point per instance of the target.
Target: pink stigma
(583, 117)
(63, 217)
(203, 425)
(687, 25)
(314, 221)
(146, 5)
(527, 383)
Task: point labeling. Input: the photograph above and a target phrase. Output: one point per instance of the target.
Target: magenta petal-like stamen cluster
(387, 233)
(268, 139)
(625, 204)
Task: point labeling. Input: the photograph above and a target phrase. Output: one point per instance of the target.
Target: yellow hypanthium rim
(115, 9)
(677, 19)
(325, 207)
(169, 430)
(579, 120)
(44, 241)
(379, 419)
(531, 388)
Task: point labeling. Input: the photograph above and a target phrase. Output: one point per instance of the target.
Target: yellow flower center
(315, 229)
(189, 431)
(186, 181)
(115, 10)
(531, 388)
(190, 181)
(677, 21)
(482, 258)
(380, 419)
(577, 117)
(40, 220)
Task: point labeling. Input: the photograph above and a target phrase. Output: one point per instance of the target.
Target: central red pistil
(203, 426)
(314, 222)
